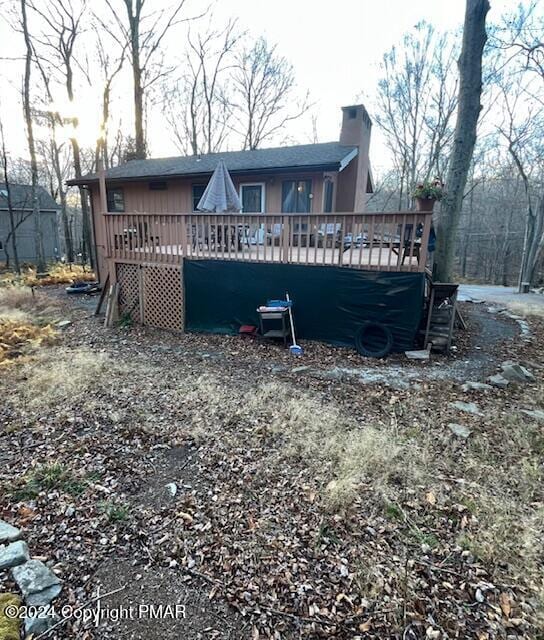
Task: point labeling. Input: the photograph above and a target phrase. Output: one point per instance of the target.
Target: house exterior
(303, 228)
(21, 198)
(312, 178)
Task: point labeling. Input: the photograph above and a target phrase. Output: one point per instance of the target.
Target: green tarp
(330, 303)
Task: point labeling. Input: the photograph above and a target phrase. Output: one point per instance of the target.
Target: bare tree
(63, 26)
(110, 66)
(143, 33)
(7, 186)
(470, 89)
(522, 44)
(417, 98)
(264, 88)
(197, 105)
(27, 109)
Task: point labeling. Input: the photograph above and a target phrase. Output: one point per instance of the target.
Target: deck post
(102, 188)
(285, 236)
(184, 240)
(422, 262)
(103, 201)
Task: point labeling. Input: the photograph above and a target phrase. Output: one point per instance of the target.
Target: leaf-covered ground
(309, 503)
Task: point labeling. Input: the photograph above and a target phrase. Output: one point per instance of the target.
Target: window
(116, 200)
(198, 192)
(327, 196)
(296, 196)
(158, 185)
(352, 114)
(252, 197)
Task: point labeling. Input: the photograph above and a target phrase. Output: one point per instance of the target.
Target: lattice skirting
(152, 294)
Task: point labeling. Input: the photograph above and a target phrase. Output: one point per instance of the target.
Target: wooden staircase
(441, 315)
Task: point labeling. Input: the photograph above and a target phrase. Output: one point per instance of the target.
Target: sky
(335, 48)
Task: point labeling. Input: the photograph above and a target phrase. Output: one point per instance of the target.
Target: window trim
(310, 194)
(263, 195)
(193, 185)
(110, 201)
(327, 181)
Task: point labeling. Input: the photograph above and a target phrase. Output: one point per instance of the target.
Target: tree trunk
(134, 16)
(67, 232)
(12, 226)
(470, 89)
(87, 245)
(140, 146)
(36, 213)
(536, 242)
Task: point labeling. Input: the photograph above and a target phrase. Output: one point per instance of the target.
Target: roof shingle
(21, 197)
(326, 154)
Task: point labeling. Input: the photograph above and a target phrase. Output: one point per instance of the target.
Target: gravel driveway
(494, 293)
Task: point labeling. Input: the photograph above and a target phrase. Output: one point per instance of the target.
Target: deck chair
(406, 243)
(200, 235)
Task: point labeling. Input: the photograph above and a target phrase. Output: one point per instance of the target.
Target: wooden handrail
(395, 241)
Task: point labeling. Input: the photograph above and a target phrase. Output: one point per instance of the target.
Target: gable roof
(21, 197)
(326, 156)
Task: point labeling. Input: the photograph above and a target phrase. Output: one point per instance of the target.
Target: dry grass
(499, 467)
(21, 299)
(506, 475)
(61, 375)
(526, 309)
(25, 323)
(58, 273)
(328, 439)
(301, 427)
(18, 338)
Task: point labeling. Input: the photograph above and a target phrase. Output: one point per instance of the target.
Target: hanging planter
(425, 204)
(427, 193)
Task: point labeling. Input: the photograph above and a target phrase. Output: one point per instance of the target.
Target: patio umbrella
(220, 195)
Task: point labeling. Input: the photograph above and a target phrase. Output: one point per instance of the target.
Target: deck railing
(385, 241)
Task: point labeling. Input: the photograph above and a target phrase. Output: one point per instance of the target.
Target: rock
(63, 324)
(498, 381)
(468, 407)
(69, 511)
(476, 386)
(45, 596)
(496, 309)
(38, 584)
(422, 354)
(13, 555)
(8, 533)
(537, 414)
(172, 488)
(39, 624)
(336, 374)
(514, 372)
(299, 369)
(278, 368)
(460, 430)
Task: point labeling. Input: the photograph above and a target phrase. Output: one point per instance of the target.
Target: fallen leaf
(506, 604)
(366, 626)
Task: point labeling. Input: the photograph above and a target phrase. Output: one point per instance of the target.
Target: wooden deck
(383, 241)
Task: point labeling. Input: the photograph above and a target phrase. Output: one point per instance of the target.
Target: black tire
(374, 340)
(78, 287)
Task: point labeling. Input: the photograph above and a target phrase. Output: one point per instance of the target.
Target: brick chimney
(355, 131)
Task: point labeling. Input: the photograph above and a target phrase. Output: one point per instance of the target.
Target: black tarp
(330, 303)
